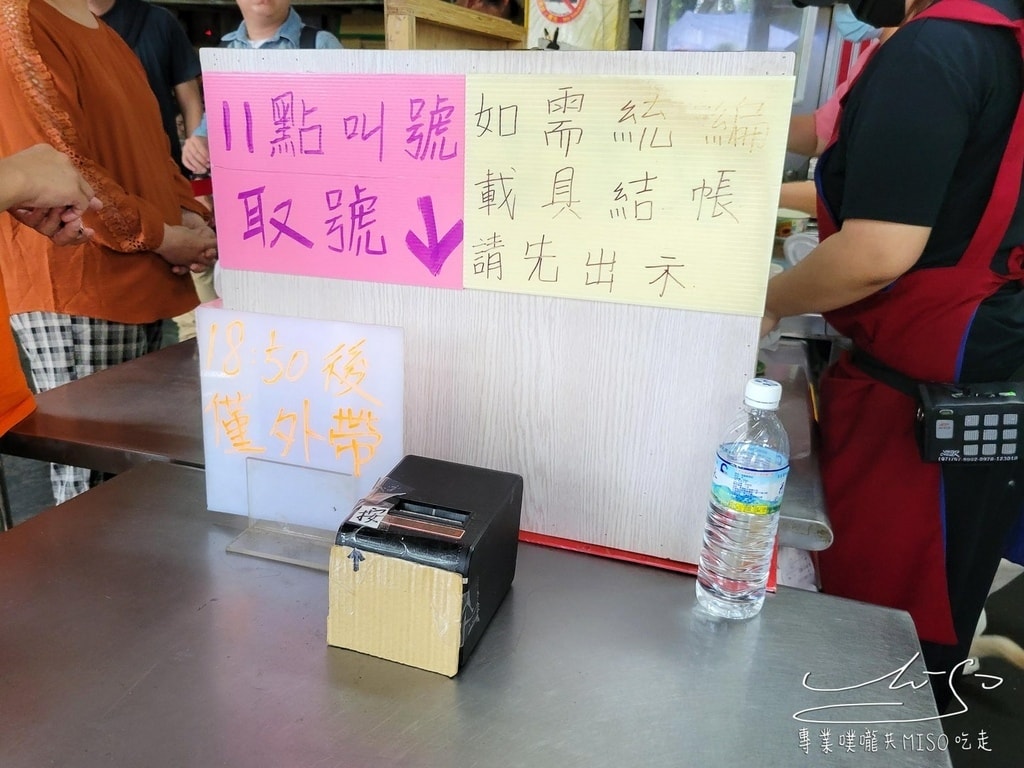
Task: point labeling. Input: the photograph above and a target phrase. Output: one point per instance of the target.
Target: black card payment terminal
(970, 423)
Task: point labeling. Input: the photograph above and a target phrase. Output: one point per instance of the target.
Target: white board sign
(287, 394)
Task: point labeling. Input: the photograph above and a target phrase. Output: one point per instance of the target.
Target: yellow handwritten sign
(324, 395)
(660, 190)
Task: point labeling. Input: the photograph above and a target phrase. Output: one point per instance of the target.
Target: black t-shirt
(166, 54)
(921, 136)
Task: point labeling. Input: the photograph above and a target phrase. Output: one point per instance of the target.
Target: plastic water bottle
(743, 512)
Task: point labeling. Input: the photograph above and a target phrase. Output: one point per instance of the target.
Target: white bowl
(789, 222)
(796, 247)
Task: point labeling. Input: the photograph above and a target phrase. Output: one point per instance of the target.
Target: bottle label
(755, 491)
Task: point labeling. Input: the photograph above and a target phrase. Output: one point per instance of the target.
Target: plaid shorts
(63, 348)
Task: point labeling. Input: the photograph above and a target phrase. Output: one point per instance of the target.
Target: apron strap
(995, 221)
(826, 217)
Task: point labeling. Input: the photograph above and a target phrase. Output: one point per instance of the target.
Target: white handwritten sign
(285, 391)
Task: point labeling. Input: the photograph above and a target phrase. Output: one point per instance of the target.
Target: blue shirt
(286, 38)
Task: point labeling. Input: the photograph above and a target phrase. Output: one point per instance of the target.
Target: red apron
(871, 470)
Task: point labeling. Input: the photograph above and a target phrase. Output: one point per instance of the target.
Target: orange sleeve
(46, 106)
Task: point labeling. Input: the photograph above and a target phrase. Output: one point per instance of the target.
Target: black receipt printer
(423, 562)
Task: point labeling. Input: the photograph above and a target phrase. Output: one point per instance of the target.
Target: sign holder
(272, 533)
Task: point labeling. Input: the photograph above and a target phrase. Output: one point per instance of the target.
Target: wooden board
(610, 412)
(439, 25)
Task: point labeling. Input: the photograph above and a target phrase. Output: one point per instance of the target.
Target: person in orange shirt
(40, 188)
(68, 80)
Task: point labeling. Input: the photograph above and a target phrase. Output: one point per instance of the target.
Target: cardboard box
(422, 564)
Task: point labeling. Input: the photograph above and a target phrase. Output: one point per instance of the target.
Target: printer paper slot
(412, 518)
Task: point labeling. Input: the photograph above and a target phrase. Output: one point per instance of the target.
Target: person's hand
(46, 192)
(51, 222)
(192, 220)
(195, 154)
(207, 202)
(769, 322)
(187, 249)
(42, 177)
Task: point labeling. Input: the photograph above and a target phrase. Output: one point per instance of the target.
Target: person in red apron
(920, 266)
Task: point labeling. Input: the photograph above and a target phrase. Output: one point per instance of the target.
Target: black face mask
(879, 13)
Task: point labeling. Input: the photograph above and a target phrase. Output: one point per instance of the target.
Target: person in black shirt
(171, 63)
(921, 267)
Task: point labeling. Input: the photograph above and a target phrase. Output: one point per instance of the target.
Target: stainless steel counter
(808, 327)
(143, 410)
(129, 637)
(803, 521)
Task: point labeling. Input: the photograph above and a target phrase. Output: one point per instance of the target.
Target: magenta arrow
(435, 252)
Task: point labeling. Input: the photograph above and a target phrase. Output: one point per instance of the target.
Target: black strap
(876, 369)
(307, 38)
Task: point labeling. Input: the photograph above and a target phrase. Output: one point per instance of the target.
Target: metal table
(803, 520)
(143, 410)
(148, 409)
(130, 638)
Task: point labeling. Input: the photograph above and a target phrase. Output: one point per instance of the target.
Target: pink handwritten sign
(341, 176)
